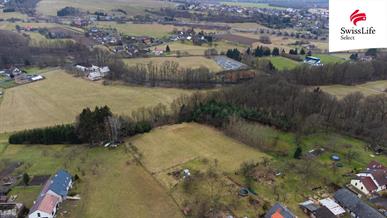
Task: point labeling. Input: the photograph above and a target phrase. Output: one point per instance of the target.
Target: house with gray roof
(354, 205)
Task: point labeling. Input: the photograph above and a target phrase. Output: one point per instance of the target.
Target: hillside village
(185, 108)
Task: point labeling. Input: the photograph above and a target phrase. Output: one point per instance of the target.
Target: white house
(94, 72)
(364, 184)
(46, 207)
(54, 192)
(373, 180)
(94, 76)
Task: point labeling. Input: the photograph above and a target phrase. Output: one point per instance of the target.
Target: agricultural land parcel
(184, 62)
(60, 97)
(369, 88)
(96, 167)
(132, 7)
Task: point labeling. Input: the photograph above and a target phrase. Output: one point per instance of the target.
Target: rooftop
(279, 211)
(48, 203)
(332, 206)
(350, 201)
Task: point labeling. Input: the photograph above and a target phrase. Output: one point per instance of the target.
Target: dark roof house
(309, 207)
(279, 211)
(354, 205)
(324, 212)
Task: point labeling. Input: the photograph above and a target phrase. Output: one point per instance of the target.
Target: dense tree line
(166, 74)
(68, 11)
(16, 49)
(234, 54)
(274, 101)
(268, 20)
(62, 134)
(97, 126)
(24, 6)
(348, 73)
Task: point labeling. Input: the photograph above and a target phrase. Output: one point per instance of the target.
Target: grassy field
(12, 26)
(12, 15)
(369, 88)
(184, 62)
(283, 42)
(148, 191)
(60, 97)
(194, 146)
(189, 48)
(250, 5)
(132, 7)
(106, 176)
(330, 59)
(154, 30)
(282, 63)
(173, 145)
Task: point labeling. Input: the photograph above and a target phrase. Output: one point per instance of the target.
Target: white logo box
(339, 17)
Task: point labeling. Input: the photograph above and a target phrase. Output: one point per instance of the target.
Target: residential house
(54, 192)
(314, 61)
(94, 73)
(94, 76)
(12, 72)
(158, 51)
(315, 210)
(46, 207)
(279, 211)
(332, 206)
(323, 212)
(11, 210)
(354, 205)
(372, 180)
(309, 207)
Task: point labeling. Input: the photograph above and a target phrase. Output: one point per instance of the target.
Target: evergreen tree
(234, 54)
(259, 51)
(371, 52)
(91, 125)
(275, 52)
(302, 52)
(298, 153)
(167, 49)
(26, 179)
(353, 57)
(266, 51)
